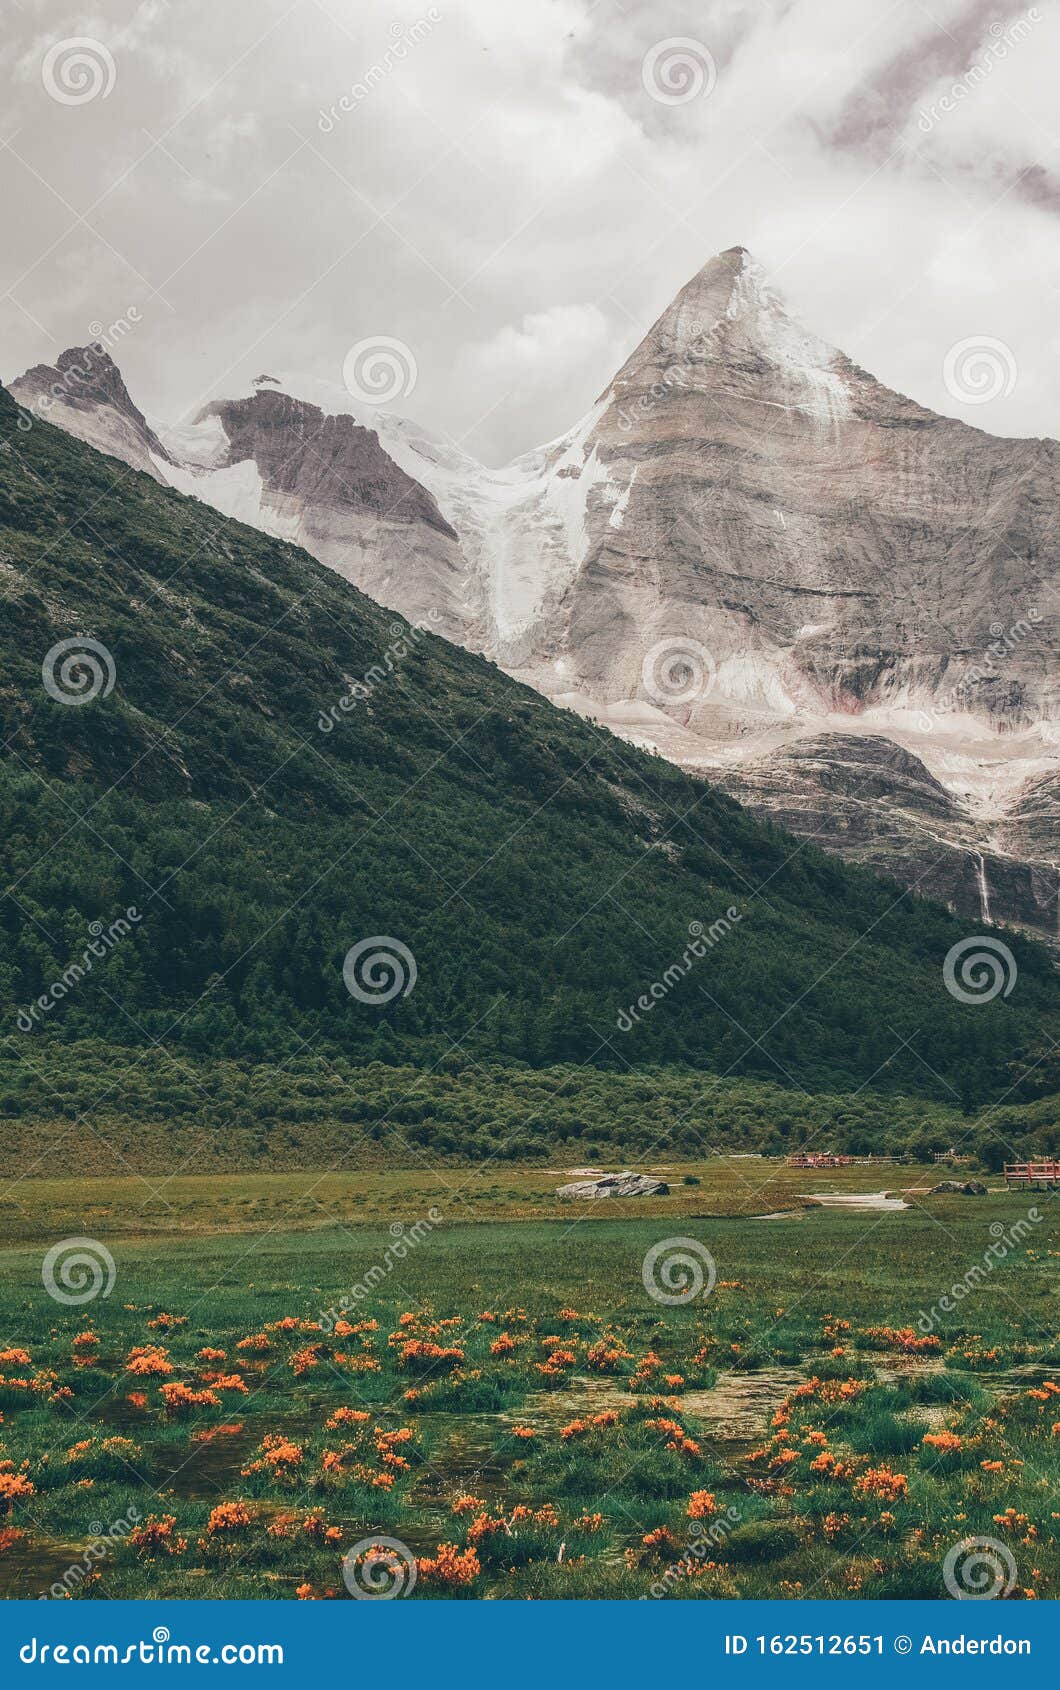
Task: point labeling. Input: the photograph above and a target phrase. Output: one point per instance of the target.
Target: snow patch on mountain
(807, 364)
(236, 491)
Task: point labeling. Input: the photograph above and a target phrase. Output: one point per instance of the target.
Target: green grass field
(501, 1394)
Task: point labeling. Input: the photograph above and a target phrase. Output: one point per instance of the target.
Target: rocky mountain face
(749, 556)
(324, 481)
(284, 465)
(83, 392)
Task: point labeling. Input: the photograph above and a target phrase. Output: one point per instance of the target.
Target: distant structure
(952, 1157)
(1027, 1174)
(818, 1159)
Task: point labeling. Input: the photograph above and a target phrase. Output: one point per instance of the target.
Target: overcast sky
(519, 187)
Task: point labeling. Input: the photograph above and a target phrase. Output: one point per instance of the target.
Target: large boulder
(962, 1188)
(616, 1185)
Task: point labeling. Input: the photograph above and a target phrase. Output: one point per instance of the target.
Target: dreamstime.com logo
(403, 37)
(76, 373)
(704, 1540)
(379, 1568)
(677, 670)
(1003, 37)
(77, 1271)
(978, 969)
(78, 670)
(102, 1540)
(403, 1240)
(78, 70)
(679, 374)
(378, 969)
(678, 70)
(979, 1569)
(983, 672)
(100, 941)
(678, 1270)
(1006, 1239)
(979, 369)
(701, 940)
(159, 1651)
(379, 370)
(404, 640)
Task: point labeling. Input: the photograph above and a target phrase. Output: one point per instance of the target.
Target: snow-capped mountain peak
(746, 545)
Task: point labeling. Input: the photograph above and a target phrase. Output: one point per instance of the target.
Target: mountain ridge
(746, 542)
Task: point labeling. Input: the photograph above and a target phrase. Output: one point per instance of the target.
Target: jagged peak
(85, 379)
(86, 372)
(729, 286)
(727, 317)
(92, 353)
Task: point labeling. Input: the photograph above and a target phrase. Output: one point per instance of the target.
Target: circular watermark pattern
(379, 370)
(979, 1569)
(78, 70)
(78, 1270)
(379, 1568)
(678, 1270)
(979, 369)
(378, 969)
(77, 670)
(677, 670)
(979, 969)
(678, 70)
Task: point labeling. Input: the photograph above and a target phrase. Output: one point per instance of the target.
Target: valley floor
(157, 1205)
(279, 1372)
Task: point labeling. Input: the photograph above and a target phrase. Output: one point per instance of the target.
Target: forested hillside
(542, 875)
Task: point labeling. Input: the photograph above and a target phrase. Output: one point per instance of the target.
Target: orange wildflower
(882, 1482)
(14, 1487)
(178, 1397)
(303, 1360)
(468, 1504)
(450, 1565)
(945, 1442)
(225, 1382)
(229, 1517)
(278, 1454)
(155, 1537)
(148, 1361)
(346, 1417)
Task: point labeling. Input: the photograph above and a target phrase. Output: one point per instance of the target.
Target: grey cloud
(501, 193)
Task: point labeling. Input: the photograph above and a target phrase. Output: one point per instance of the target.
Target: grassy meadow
(290, 1368)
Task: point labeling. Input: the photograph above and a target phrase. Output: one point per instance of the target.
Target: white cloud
(568, 349)
(510, 163)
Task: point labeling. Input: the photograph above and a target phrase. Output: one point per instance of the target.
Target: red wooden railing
(1032, 1173)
